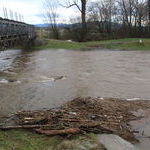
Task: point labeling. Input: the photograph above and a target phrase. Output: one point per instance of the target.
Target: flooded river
(31, 80)
(48, 78)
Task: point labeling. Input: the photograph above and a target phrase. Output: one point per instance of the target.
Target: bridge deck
(12, 32)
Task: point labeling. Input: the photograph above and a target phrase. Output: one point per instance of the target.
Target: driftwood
(76, 120)
(59, 132)
(79, 115)
(23, 127)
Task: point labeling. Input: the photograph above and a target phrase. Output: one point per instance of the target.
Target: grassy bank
(25, 140)
(120, 44)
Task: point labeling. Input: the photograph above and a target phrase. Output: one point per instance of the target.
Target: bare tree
(51, 16)
(127, 12)
(109, 7)
(111, 18)
(103, 13)
(133, 13)
(148, 13)
(141, 12)
(81, 5)
(99, 14)
(149, 10)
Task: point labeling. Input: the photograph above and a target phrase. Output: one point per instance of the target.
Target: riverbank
(88, 115)
(119, 44)
(26, 140)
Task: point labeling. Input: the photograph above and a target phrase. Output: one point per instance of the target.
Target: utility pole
(20, 18)
(11, 14)
(6, 13)
(16, 15)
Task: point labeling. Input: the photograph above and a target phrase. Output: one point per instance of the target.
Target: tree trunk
(83, 16)
(149, 15)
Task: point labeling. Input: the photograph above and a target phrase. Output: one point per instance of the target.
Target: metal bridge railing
(10, 28)
(15, 32)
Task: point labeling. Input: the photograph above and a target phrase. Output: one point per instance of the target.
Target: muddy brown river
(48, 78)
(44, 79)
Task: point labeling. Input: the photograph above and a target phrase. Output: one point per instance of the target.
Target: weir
(14, 33)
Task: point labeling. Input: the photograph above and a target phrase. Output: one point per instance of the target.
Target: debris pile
(81, 115)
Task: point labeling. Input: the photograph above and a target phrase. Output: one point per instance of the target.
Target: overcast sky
(32, 10)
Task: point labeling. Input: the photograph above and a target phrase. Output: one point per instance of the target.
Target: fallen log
(96, 128)
(59, 132)
(23, 127)
(76, 120)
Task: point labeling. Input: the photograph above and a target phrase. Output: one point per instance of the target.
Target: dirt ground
(82, 115)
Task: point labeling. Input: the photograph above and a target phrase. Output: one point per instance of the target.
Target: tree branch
(69, 5)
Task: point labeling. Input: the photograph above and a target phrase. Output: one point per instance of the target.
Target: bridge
(14, 33)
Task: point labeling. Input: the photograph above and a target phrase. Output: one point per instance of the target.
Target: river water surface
(44, 79)
(31, 80)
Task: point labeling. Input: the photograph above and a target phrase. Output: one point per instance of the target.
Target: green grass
(128, 44)
(120, 44)
(59, 44)
(25, 140)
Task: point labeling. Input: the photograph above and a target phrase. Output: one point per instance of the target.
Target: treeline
(102, 19)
